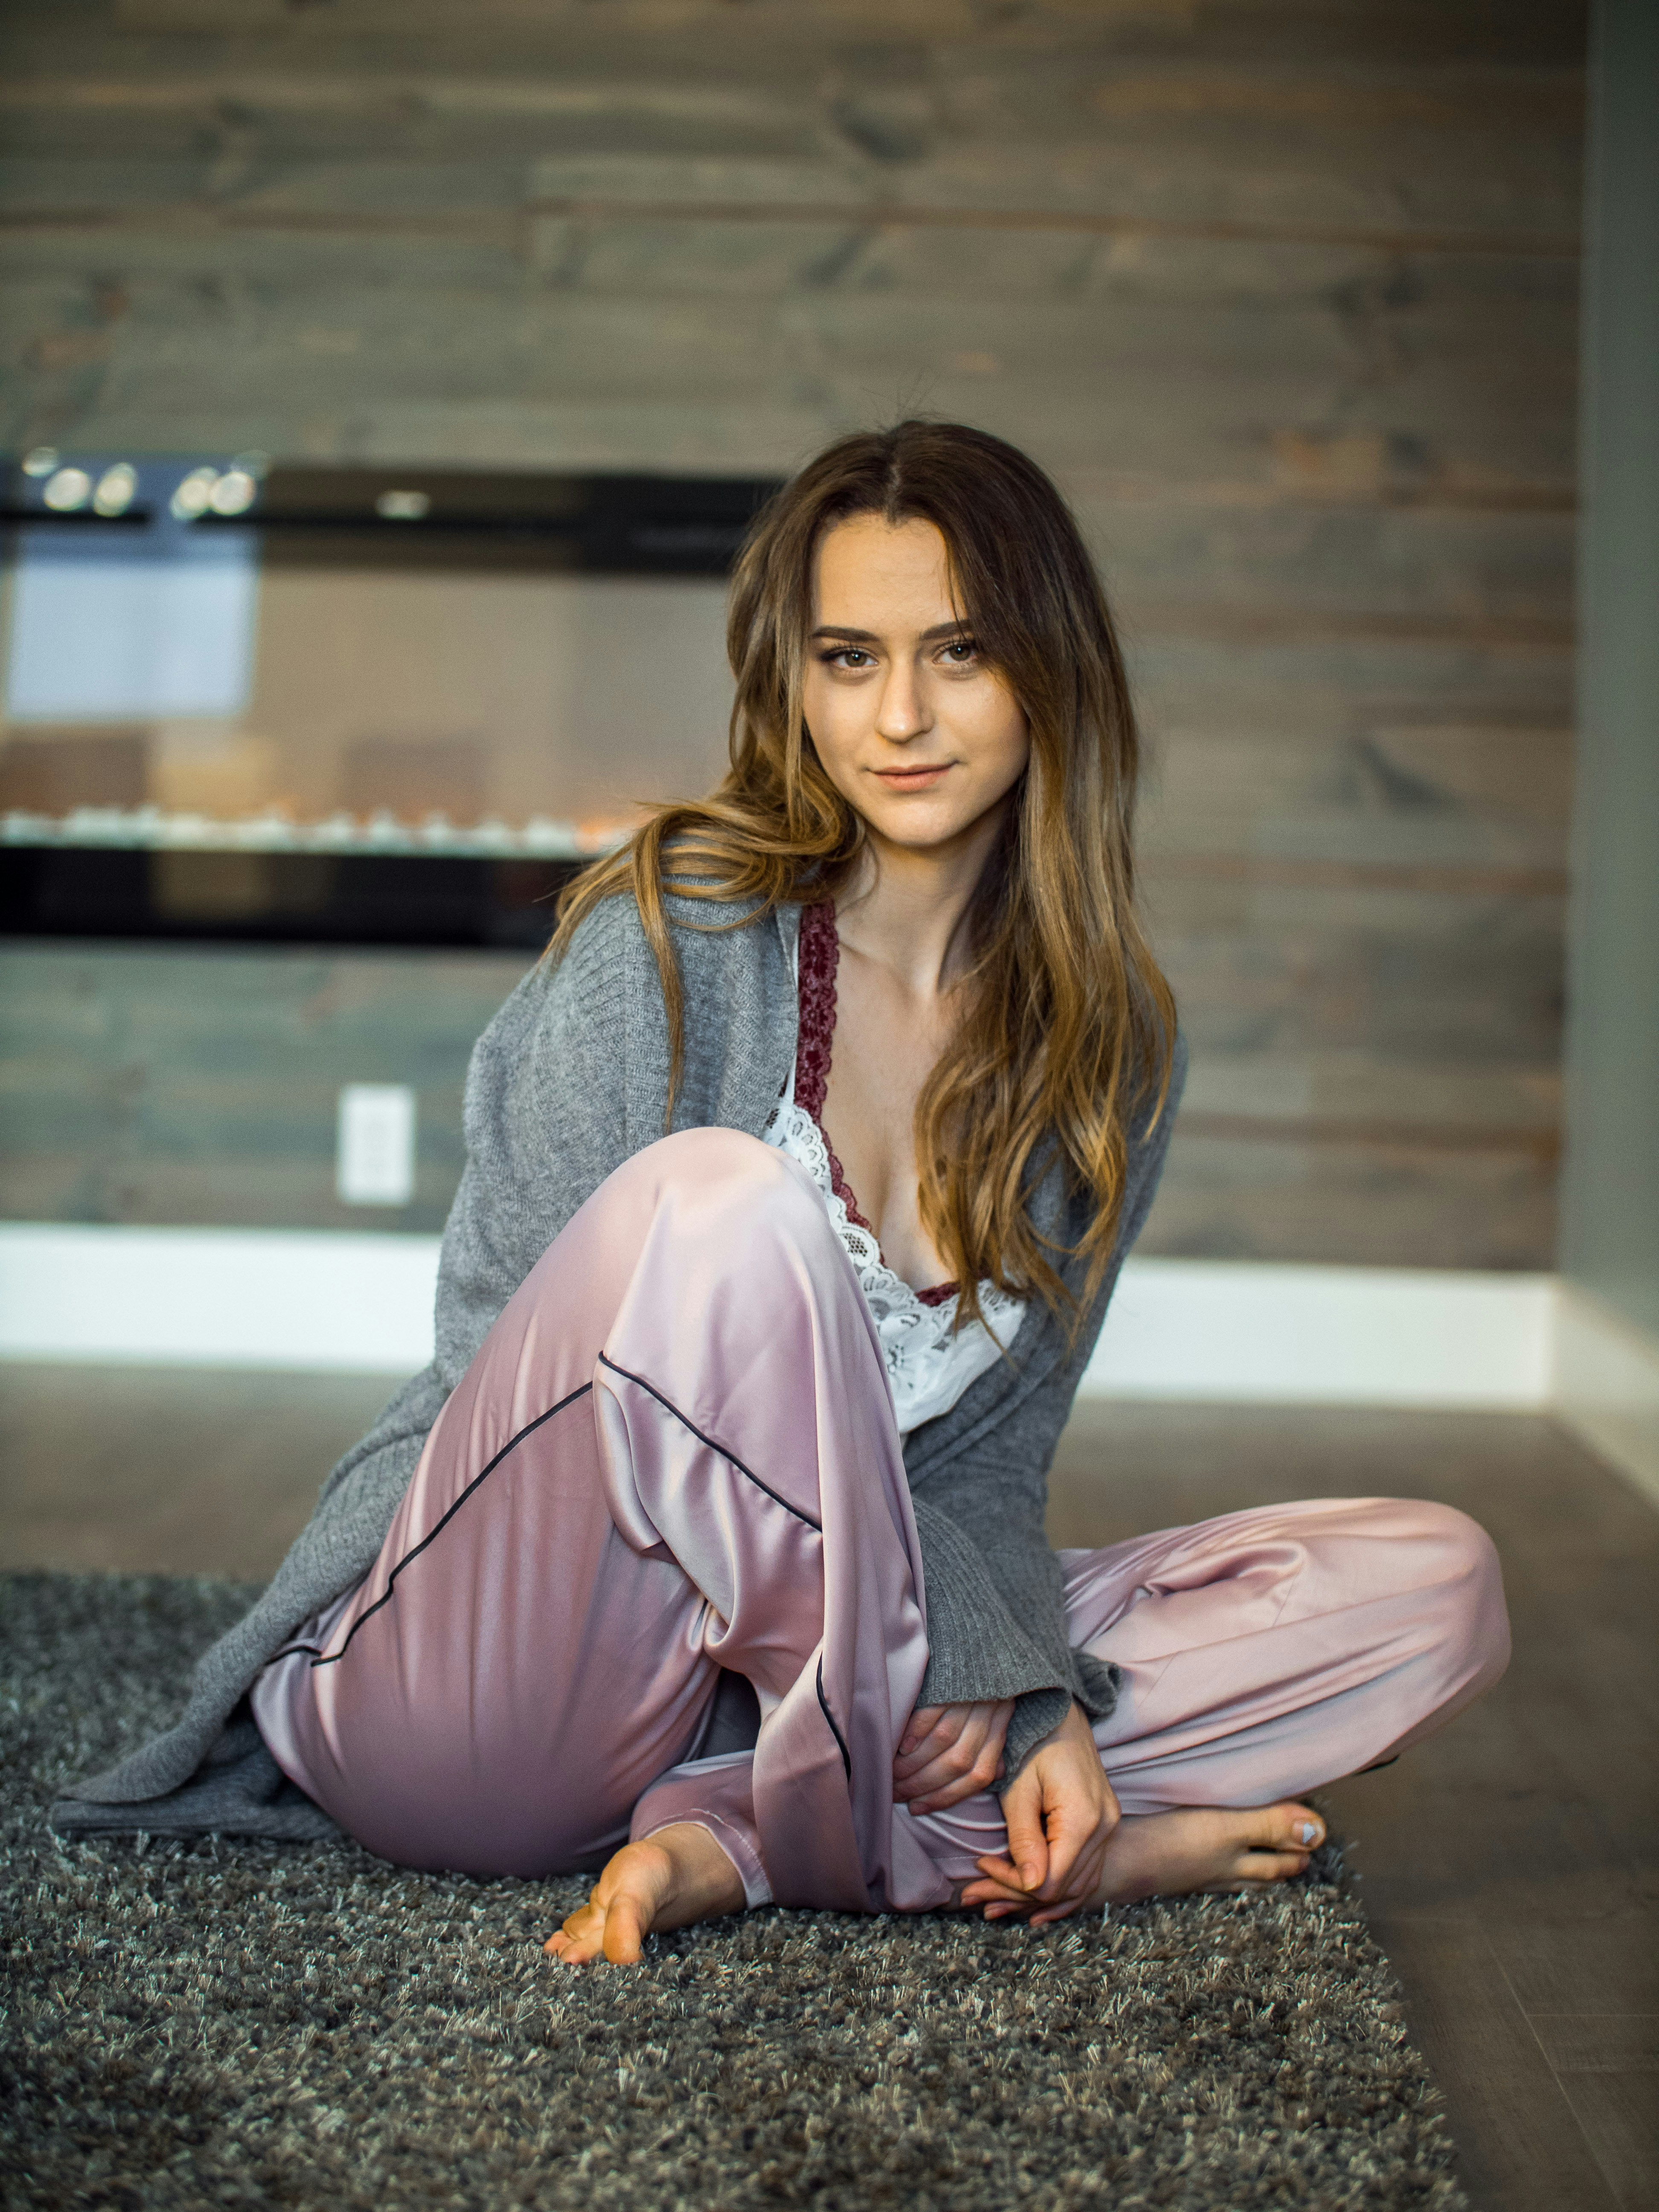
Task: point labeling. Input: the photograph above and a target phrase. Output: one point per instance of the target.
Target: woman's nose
(902, 710)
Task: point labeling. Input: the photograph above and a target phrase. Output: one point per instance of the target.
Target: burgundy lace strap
(819, 958)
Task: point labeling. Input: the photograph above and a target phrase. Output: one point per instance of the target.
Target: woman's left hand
(948, 1753)
(1061, 1814)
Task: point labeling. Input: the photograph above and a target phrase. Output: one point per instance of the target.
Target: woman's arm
(996, 1612)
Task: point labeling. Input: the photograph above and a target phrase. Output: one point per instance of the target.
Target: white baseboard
(1606, 1384)
(1179, 1328)
(1376, 1336)
(217, 1297)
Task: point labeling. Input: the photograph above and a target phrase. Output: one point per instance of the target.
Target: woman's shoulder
(727, 934)
(604, 988)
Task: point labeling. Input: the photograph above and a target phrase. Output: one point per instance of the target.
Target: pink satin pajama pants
(674, 1452)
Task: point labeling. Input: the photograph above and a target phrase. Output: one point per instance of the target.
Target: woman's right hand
(1061, 1813)
(948, 1753)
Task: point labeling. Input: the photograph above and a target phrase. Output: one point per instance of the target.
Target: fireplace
(354, 706)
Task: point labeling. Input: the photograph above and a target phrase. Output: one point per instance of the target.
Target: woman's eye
(960, 651)
(850, 657)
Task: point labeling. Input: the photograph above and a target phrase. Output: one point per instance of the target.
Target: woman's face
(912, 728)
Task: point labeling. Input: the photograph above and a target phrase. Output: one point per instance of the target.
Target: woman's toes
(1279, 1841)
(1289, 1827)
(627, 1922)
(1271, 1865)
(575, 1950)
(580, 1938)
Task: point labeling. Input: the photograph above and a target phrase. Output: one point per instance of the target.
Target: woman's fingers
(1078, 1810)
(960, 1755)
(933, 1730)
(998, 1883)
(963, 1770)
(948, 1728)
(1061, 1812)
(945, 1732)
(1028, 1841)
(999, 1902)
(1081, 1814)
(921, 1723)
(1066, 1893)
(1071, 1825)
(997, 1893)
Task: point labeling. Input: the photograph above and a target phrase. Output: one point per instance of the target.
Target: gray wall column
(1610, 1219)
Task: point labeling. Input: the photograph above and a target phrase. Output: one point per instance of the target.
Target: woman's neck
(907, 909)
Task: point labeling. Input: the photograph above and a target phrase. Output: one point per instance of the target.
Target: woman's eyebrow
(871, 637)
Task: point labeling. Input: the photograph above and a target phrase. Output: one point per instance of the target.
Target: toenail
(1306, 1832)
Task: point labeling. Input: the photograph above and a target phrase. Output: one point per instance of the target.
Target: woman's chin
(925, 822)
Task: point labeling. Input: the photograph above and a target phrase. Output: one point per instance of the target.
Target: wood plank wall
(149, 1083)
(1283, 290)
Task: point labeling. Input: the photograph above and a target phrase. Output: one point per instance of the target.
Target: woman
(709, 1551)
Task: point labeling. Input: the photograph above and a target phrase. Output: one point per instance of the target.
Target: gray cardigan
(569, 1080)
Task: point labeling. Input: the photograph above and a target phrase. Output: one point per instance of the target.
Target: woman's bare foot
(1207, 1847)
(1200, 1847)
(678, 1876)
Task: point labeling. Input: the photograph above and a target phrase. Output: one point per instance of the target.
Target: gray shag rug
(244, 2024)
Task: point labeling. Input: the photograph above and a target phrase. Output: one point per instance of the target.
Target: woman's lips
(912, 778)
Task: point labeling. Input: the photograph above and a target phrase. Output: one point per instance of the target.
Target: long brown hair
(1067, 1025)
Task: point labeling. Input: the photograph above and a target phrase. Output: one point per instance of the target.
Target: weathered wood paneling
(166, 1085)
(1284, 293)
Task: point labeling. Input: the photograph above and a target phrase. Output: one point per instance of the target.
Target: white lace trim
(929, 1362)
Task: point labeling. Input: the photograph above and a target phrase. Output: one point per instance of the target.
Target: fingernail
(1306, 1832)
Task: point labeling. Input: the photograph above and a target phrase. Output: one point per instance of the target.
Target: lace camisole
(929, 1361)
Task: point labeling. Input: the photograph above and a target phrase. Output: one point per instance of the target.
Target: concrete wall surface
(1285, 294)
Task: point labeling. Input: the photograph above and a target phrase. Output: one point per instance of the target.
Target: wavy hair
(1067, 1025)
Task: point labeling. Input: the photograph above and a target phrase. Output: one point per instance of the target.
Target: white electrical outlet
(375, 1151)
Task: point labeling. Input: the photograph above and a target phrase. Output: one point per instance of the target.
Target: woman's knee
(1465, 1584)
(1427, 1564)
(750, 1184)
(717, 1154)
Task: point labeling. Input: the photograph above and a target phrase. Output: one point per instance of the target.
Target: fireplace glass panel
(356, 659)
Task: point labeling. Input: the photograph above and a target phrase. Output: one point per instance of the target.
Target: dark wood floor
(1509, 1866)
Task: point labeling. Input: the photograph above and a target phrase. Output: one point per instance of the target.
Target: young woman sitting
(708, 1553)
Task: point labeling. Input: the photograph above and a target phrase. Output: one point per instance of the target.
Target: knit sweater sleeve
(552, 1108)
(996, 1608)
